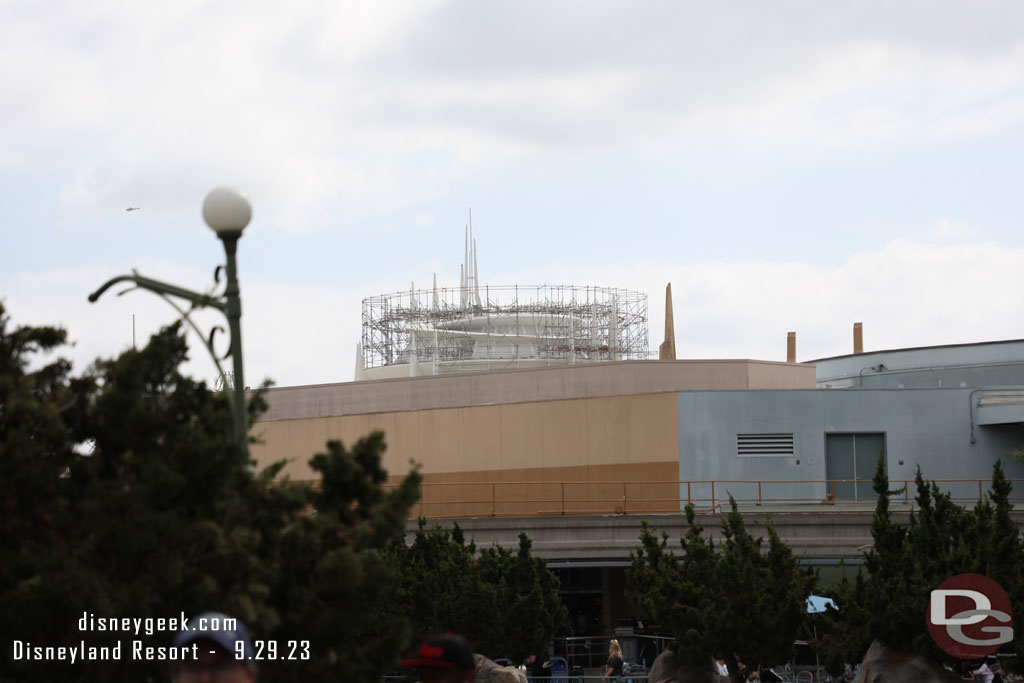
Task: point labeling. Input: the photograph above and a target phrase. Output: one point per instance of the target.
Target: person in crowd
(721, 669)
(615, 660)
(224, 651)
(446, 658)
(982, 673)
(535, 667)
(745, 672)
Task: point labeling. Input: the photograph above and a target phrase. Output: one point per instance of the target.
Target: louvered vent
(752, 445)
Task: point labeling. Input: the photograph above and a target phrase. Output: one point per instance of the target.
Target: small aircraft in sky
(132, 208)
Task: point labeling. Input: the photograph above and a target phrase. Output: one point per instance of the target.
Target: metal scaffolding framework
(453, 330)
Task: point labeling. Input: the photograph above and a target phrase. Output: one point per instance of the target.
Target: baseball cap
(218, 627)
(448, 651)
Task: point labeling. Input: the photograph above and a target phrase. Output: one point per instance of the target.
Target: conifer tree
(506, 603)
(735, 599)
(887, 602)
(125, 494)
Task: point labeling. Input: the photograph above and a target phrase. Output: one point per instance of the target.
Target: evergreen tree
(125, 494)
(506, 603)
(719, 602)
(888, 602)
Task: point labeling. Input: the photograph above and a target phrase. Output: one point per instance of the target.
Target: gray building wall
(927, 427)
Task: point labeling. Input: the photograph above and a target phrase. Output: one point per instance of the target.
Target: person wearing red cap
(446, 658)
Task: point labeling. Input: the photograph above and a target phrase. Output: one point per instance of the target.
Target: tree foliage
(505, 602)
(735, 599)
(125, 494)
(888, 601)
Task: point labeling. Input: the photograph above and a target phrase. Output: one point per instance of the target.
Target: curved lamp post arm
(234, 392)
(164, 288)
(207, 342)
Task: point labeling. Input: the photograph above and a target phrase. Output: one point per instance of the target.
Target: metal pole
(234, 316)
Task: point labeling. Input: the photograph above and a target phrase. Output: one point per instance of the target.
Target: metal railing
(591, 652)
(557, 498)
(557, 678)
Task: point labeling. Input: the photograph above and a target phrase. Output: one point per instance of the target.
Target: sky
(787, 166)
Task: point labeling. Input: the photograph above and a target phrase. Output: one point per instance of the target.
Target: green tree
(331, 586)
(505, 602)
(888, 602)
(125, 494)
(736, 599)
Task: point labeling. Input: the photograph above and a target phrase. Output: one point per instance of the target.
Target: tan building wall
(532, 457)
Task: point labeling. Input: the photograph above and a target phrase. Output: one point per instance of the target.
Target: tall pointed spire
(476, 277)
(667, 350)
(360, 373)
(462, 285)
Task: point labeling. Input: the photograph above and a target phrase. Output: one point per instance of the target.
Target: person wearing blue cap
(224, 651)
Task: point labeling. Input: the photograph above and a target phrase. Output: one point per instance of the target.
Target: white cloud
(346, 109)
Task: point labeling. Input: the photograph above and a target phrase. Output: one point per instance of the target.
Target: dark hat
(448, 651)
(220, 628)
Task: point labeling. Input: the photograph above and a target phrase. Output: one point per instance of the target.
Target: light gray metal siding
(974, 365)
(927, 427)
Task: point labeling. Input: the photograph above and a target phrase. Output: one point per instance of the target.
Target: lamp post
(227, 213)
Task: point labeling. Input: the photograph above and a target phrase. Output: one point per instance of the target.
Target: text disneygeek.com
(135, 649)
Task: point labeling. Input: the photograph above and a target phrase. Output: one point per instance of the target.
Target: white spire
(360, 373)
(476, 277)
(469, 278)
(435, 303)
(462, 285)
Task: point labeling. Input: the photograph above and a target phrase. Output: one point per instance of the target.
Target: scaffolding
(455, 330)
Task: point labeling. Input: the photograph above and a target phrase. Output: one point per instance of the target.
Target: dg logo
(970, 616)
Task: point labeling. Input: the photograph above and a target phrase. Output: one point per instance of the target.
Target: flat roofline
(915, 348)
(553, 368)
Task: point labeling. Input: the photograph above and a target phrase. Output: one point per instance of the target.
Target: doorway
(850, 462)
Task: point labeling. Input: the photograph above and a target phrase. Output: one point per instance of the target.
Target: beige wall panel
(558, 440)
(563, 427)
(296, 440)
(631, 429)
(481, 439)
(659, 432)
(547, 491)
(520, 438)
(786, 376)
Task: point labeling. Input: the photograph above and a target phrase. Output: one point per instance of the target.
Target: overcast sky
(786, 165)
